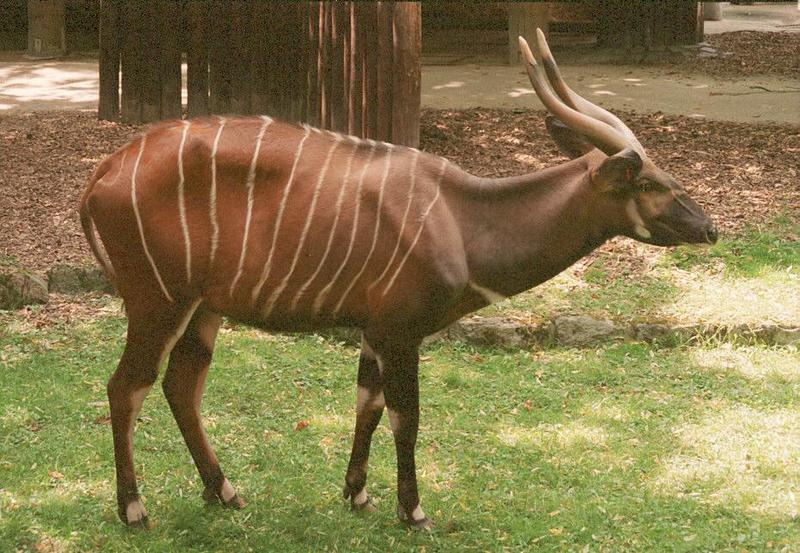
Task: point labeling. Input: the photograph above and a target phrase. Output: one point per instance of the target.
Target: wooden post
(149, 66)
(369, 63)
(312, 64)
(338, 29)
(356, 62)
(385, 66)
(239, 57)
(170, 30)
(131, 105)
(523, 19)
(406, 74)
(108, 108)
(197, 58)
(219, 51)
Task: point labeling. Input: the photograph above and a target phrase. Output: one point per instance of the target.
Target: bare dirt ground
(740, 173)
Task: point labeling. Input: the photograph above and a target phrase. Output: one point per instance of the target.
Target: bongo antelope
(290, 228)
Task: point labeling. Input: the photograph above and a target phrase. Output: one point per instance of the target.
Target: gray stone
(19, 287)
(581, 330)
(72, 279)
(494, 331)
(650, 332)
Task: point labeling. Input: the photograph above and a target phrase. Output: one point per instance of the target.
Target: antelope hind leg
(183, 386)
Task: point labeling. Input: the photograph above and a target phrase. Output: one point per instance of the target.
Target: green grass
(621, 448)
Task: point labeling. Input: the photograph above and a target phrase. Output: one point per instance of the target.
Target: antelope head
(641, 201)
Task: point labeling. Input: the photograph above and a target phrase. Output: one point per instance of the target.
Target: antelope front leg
(401, 389)
(369, 408)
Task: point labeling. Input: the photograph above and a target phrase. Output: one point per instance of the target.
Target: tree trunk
(108, 108)
(406, 74)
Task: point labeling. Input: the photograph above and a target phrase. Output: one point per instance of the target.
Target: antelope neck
(520, 231)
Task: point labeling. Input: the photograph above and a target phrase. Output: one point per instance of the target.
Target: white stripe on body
(374, 233)
(403, 224)
(251, 177)
(323, 294)
(139, 220)
(182, 204)
(213, 196)
(419, 231)
(270, 305)
(268, 265)
(337, 214)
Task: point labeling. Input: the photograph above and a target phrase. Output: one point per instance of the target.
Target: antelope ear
(573, 144)
(618, 172)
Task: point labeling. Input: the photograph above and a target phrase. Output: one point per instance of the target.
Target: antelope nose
(711, 235)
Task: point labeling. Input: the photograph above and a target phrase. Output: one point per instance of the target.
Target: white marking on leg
(636, 219)
(361, 497)
(418, 514)
(323, 294)
(365, 399)
(375, 233)
(182, 204)
(135, 511)
(251, 178)
(337, 214)
(139, 221)
(227, 491)
(403, 224)
(419, 231)
(288, 188)
(489, 295)
(394, 420)
(213, 196)
(310, 217)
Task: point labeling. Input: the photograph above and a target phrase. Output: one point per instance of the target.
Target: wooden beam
(385, 65)
(197, 58)
(406, 87)
(108, 108)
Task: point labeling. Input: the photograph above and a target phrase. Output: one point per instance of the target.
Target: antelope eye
(645, 185)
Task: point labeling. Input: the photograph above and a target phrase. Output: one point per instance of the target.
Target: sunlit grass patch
(739, 457)
(751, 362)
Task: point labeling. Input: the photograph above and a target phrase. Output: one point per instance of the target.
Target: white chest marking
(182, 204)
(375, 232)
(251, 177)
(139, 221)
(323, 294)
(489, 295)
(281, 208)
(212, 197)
(279, 290)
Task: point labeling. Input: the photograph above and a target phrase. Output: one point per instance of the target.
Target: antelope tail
(88, 227)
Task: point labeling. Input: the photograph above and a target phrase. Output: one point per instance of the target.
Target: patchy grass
(624, 447)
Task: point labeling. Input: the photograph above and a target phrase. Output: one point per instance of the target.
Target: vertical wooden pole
(325, 63)
(149, 65)
(385, 66)
(523, 20)
(356, 62)
(369, 65)
(406, 87)
(197, 58)
(239, 57)
(338, 113)
(131, 106)
(260, 62)
(108, 108)
(312, 64)
(219, 51)
(171, 31)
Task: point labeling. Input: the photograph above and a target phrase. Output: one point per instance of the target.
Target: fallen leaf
(301, 425)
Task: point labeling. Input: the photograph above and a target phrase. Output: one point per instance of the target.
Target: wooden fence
(346, 66)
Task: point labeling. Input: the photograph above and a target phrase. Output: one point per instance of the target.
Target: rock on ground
(18, 288)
